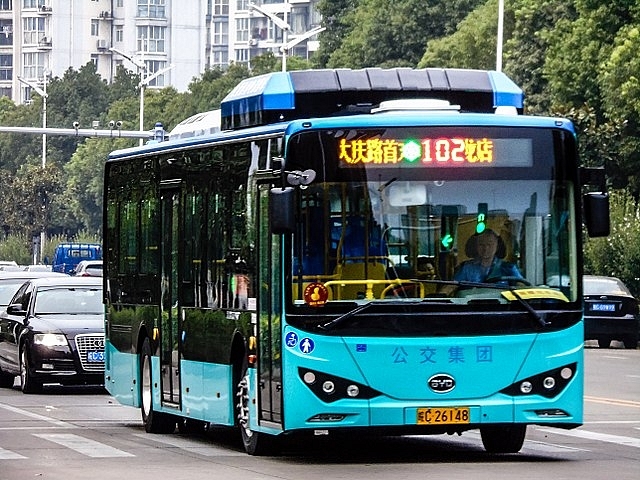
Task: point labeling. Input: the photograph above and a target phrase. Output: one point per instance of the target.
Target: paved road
(82, 433)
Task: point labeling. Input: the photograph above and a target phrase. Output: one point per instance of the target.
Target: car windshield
(605, 286)
(69, 300)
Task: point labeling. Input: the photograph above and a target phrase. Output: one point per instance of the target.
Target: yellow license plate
(443, 416)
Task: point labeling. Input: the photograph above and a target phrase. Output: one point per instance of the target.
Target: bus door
(269, 317)
(169, 334)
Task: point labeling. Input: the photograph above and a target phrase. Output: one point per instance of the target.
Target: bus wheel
(154, 422)
(255, 443)
(503, 439)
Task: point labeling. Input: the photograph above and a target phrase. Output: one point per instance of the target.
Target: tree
(31, 206)
(525, 49)
(81, 202)
(474, 43)
(393, 33)
(618, 255)
(336, 17)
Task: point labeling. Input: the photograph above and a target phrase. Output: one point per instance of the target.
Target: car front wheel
(29, 384)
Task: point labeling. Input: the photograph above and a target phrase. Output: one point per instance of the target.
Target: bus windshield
(450, 214)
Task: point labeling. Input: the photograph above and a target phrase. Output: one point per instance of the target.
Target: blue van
(68, 255)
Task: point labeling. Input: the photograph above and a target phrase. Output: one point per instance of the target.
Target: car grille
(86, 343)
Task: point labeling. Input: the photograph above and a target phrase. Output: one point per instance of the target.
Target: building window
(220, 33)
(242, 30)
(94, 60)
(33, 65)
(220, 59)
(33, 30)
(95, 27)
(151, 39)
(6, 4)
(221, 7)
(151, 8)
(120, 3)
(119, 33)
(6, 32)
(242, 55)
(5, 92)
(6, 67)
(30, 3)
(243, 4)
(152, 67)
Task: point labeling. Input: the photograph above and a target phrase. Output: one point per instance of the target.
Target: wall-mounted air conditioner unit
(102, 44)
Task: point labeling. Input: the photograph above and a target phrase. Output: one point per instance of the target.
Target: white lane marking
(190, 445)
(26, 413)
(601, 437)
(83, 445)
(550, 447)
(9, 455)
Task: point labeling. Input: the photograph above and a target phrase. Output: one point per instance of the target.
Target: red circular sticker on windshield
(316, 294)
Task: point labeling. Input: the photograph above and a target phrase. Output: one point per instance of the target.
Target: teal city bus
(296, 272)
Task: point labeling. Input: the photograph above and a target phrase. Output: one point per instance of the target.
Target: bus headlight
(547, 384)
(330, 388)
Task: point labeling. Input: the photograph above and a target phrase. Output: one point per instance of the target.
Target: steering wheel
(510, 279)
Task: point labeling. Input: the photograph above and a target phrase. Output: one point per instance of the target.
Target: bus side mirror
(281, 210)
(596, 214)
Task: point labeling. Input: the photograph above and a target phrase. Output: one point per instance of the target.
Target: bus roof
(282, 96)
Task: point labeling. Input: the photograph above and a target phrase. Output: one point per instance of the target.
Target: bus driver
(487, 251)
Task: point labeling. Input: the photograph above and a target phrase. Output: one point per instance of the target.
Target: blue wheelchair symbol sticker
(291, 339)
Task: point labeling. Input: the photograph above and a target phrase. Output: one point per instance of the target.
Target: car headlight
(50, 340)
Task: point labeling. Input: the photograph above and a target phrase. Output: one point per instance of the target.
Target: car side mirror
(16, 309)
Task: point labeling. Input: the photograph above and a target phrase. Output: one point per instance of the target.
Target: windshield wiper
(337, 321)
(528, 307)
(534, 313)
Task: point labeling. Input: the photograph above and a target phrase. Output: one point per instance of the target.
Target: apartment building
(169, 42)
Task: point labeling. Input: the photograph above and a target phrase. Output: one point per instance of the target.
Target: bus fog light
(353, 390)
(328, 387)
(566, 373)
(549, 383)
(309, 378)
(526, 387)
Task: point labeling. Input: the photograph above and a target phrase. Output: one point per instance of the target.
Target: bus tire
(154, 422)
(503, 438)
(255, 443)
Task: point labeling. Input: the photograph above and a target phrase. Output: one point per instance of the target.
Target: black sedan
(610, 312)
(53, 332)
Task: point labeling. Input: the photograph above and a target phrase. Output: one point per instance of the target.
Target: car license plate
(95, 357)
(443, 416)
(603, 307)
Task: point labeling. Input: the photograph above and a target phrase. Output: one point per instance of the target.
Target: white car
(88, 268)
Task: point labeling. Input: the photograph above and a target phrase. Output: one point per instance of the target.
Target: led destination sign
(437, 152)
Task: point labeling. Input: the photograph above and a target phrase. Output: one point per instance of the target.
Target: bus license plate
(443, 416)
(95, 357)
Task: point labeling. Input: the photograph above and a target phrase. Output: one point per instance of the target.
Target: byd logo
(441, 383)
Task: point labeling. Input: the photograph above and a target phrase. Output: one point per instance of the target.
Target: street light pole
(500, 34)
(141, 68)
(43, 93)
(280, 23)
